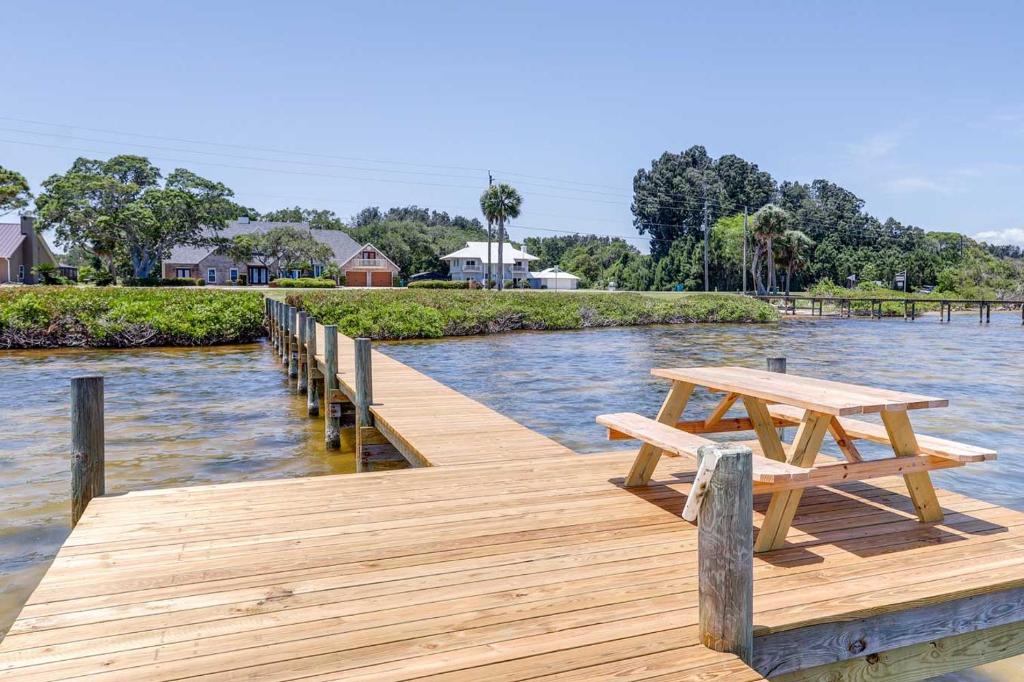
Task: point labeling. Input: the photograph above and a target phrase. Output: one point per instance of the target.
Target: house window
(182, 272)
(369, 255)
(234, 274)
(318, 270)
(21, 273)
(470, 263)
(211, 276)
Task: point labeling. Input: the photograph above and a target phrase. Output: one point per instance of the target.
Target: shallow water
(192, 416)
(174, 416)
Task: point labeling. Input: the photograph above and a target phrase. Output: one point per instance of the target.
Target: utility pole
(487, 280)
(706, 282)
(744, 250)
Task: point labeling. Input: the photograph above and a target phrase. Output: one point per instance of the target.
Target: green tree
(14, 191)
(118, 210)
(792, 253)
(769, 224)
(318, 219)
(286, 248)
(501, 203)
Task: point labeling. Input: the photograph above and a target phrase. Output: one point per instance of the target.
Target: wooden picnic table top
(819, 395)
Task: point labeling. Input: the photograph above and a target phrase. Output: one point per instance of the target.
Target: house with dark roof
(22, 249)
(361, 264)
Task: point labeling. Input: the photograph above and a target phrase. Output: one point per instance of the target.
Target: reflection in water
(193, 416)
(174, 417)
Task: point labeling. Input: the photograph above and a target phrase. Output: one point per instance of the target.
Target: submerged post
(293, 346)
(313, 381)
(332, 422)
(725, 553)
(777, 365)
(303, 357)
(87, 446)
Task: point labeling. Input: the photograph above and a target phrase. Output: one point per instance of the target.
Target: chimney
(28, 248)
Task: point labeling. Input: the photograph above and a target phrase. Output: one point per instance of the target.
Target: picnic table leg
(764, 427)
(919, 485)
(671, 410)
(782, 507)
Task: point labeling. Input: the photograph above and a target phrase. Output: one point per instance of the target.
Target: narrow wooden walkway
(409, 406)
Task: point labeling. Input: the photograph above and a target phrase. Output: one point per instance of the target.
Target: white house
(470, 263)
(554, 278)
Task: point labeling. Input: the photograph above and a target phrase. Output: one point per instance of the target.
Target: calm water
(191, 416)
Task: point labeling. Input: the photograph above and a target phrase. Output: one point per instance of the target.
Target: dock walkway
(512, 567)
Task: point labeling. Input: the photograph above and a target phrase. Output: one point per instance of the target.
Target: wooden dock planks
(490, 571)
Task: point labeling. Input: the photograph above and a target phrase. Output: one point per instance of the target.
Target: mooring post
(87, 446)
(266, 318)
(286, 346)
(293, 342)
(981, 313)
(332, 421)
(913, 311)
(364, 395)
(778, 365)
(314, 383)
(725, 553)
(303, 356)
(988, 313)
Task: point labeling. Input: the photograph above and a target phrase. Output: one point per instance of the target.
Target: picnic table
(816, 407)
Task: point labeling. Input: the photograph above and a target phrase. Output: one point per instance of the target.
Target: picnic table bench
(816, 407)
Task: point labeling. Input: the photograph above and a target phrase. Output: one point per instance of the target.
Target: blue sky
(915, 106)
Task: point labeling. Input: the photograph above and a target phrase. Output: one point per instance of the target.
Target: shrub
(124, 317)
(302, 283)
(439, 284)
(165, 282)
(424, 313)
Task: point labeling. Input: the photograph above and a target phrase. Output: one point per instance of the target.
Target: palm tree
(770, 223)
(499, 203)
(792, 253)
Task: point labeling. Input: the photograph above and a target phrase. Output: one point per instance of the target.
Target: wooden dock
(534, 565)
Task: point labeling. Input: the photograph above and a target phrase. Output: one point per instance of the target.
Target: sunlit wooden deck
(543, 569)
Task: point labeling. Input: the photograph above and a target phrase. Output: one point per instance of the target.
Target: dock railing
(845, 304)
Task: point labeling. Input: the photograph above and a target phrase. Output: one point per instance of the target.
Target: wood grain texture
(725, 568)
(88, 477)
(827, 643)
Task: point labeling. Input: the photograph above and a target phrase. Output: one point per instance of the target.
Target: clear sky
(915, 106)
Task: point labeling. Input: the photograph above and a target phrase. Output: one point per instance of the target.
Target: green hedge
(116, 317)
(439, 284)
(411, 313)
(302, 283)
(166, 282)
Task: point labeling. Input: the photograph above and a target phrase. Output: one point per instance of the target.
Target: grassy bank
(432, 313)
(52, 317)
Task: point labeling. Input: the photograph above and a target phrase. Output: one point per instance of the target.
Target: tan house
(21, 249)
(362, 264)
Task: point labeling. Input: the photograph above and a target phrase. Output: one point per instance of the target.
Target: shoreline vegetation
(122, 317)
(432, 313)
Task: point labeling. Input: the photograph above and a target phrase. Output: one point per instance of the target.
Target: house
(22, 249)
(363, 265)
(470, 263)
(554, 278)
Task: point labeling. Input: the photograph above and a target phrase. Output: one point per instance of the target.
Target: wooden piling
(87, 443)
(776, 365)
(293, 346)
(988, 313)
(725, 554)
(286, 334)
(332, 420)
(364, 397)
(303, 356)
(314, 382)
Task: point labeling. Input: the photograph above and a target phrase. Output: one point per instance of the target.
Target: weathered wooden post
(87, 443)
(981, 312)
(332, 420)
(300, 364)
(286, 333)
(988, 313)
(266, 319)
(293, 345)
(725, 553)
(364, 395)
(777, 365)
(314, 382)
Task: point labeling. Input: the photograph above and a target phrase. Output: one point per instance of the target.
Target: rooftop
(479, 250)
(344, 246)
(10, 239)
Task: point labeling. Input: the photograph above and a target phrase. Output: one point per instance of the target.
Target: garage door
(381, 279)
(356, 278)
